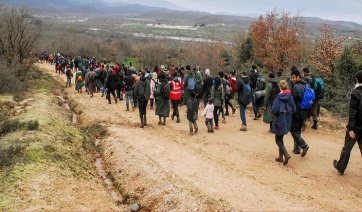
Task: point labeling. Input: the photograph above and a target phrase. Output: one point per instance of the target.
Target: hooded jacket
(283, 108)
(142, 88)
(129, 80)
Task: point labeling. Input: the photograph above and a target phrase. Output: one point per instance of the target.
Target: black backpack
(274, 91)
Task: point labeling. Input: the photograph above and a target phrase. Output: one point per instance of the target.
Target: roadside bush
(9, 154)
(8, 125)
(10, 82)
(32, 125)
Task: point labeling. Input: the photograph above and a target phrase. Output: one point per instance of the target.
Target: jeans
(175, 108)
(68, 81)
(242, 114)
(296, 129)
(216, 117)
(129, 97)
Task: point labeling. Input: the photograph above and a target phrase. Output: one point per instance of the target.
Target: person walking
(243, 94)
(175, 96)
(129, 82)
(354, 126)
(268, 116)
(283, 107)
(162, 101)
(217, 93)
(142, 93)
(192, 111)
(300, 115)
(209, 113)
(111, 85)
(79, 83)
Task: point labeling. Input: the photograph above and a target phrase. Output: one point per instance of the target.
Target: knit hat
(217, 82)
(207, 72)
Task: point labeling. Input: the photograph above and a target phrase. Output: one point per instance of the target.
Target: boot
(191, 131)
(280, 158)
(172, 117)
(151, 101)
(142, 123)
(178, 120)
(164, 121)
(109, 99)
(145, 120)
(227, 112)
(196, 128)
(256, 115)
(286, 155)
(296, 149)
(315, 126)
(234, 109)
(127, 105)
(159, 120)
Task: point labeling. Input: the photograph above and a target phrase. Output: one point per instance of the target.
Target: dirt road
(164, 168)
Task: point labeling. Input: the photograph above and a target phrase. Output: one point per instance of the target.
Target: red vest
(175, 93)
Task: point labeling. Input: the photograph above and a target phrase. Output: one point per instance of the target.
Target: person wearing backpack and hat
(354, 126)
(300, 115)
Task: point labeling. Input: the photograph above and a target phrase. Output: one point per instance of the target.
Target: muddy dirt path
(164, 168)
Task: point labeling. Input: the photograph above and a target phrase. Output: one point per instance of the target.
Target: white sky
(347, 10)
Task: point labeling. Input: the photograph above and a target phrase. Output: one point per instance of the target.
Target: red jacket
(175, 93)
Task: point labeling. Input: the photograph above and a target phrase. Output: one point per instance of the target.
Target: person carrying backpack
(300, 115)
(207, 83)
(255, 77)
(318, 86)
(163, 99)
(189, 84)
(354, 126)
(244, 97)
(142, 93)
(271, 91)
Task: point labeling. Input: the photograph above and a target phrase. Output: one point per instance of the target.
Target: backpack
(308, 98)
(191, 83)
(274, 91)
(92, 78)
(165, 92)
(245, 97)
(318, 86)
(226, 86)
(232, 83)
(80, 78)
(260, 83)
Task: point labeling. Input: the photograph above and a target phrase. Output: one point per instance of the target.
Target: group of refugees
(285, 102)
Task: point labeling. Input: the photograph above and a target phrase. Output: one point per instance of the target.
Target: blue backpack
(308, 98)
(245, 97)
(191, 83)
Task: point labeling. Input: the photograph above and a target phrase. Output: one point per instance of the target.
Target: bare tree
(19, 32)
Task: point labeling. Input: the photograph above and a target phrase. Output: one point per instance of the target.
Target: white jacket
(208, 111)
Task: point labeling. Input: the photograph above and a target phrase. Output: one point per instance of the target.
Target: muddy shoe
(223, 121)
(234, 109)
(196, 129)
(335, 164)
(243, 128)
(279, 159)
(159, 123)
(305, 150)
(287, 157)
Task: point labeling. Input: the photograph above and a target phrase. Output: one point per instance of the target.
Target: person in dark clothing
(120, 83)
(253, 77)
(162, 102)
(300, 115)
(192, 113)
(354, 127)
(240, 91)
(283, 108)
(207, 84)
(129, 83)
(142, 93)
(111, 85)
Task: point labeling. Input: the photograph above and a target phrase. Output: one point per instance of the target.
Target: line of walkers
(286, 104)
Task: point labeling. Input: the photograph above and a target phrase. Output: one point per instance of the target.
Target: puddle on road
(99, 165)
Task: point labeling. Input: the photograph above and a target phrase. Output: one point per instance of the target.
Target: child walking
(209, 112)
(192, 109)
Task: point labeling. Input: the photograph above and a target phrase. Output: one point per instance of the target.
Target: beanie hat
(207, 72)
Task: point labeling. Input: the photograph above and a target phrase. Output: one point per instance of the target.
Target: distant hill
(160, 10)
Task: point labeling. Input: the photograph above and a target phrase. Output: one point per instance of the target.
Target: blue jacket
(283, 108)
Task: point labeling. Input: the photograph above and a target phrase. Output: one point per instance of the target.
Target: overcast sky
(348, 10)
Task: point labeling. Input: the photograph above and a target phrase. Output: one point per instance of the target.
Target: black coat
(111, 82)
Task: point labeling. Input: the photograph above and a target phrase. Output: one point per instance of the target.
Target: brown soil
(163, 168)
